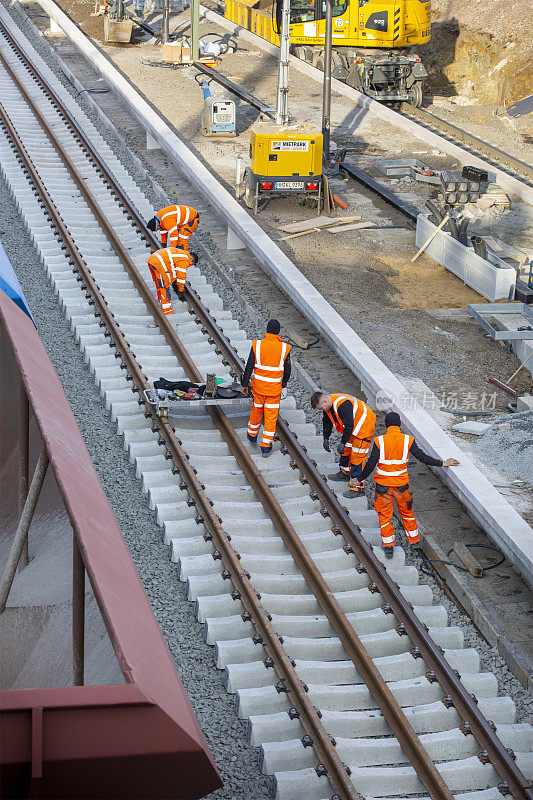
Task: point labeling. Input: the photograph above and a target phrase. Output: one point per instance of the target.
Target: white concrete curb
(484, 503)
(511, 185)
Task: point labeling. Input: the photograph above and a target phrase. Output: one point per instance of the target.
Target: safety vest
(172, 218)
(364, 419)
(270, 354)
(394, 447)
(170, 264)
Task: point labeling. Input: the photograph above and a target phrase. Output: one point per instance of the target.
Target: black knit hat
(392, 418)
(152, 224)
(273, 326)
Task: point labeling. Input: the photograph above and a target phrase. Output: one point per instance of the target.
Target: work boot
(252, 439)
(389, 551)
(266, 451)
(339, 476)
(357, 490)
(181, 297)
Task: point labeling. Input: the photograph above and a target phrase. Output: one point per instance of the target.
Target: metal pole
(23, 528)
(120, 10)
(78, 614)
(326, 93)
(164, 23)
(24, 456)
(195, 29)
(282, 97)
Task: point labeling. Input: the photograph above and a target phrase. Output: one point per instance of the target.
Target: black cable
(96, 90)
(463, 569)
(299, 346)
(433, 561)
(488, 547)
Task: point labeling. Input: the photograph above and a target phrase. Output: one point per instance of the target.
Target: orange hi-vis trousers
(354, 455)
(384, 506)
(267, 406)
(163, 295)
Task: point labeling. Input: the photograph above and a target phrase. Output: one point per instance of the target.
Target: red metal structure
(137, 739)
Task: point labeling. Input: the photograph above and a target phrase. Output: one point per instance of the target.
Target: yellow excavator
(371, 39)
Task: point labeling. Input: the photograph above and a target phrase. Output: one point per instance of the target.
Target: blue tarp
(10, 285)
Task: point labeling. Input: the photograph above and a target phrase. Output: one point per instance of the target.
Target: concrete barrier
(484, 503)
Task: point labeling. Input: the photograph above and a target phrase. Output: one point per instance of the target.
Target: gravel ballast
(225, 733)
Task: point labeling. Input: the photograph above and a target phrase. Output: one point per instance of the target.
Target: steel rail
(500, 158)
(331, 764)
(454, 692)
(392, 711)
(238, 91)
(501, 759)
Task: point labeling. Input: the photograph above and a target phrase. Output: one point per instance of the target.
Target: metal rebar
(23, 528)
(24, 457)
(78, 614)
(326, 91)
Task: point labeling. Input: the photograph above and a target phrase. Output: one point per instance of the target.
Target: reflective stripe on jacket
(172, 218)
(364, 419)
(270, 354)
(171, 264)
(394, 447)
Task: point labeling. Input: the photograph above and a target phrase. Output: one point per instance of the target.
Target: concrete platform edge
(510, 184)
(487, 507)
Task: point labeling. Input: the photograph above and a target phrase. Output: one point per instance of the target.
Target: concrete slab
(471, 427)
(487, 507)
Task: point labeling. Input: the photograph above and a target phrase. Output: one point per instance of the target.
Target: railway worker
(176, 224)
(356, 422)
(269, 367)
(168, 267)
(389, 456)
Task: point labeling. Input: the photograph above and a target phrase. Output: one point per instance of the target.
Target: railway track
(505, 161)
(350, 678)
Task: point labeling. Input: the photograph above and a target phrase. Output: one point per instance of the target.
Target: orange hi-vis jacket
(270, 354)
(171, 265)
(364, 419)
(394, 447)
(177, 224)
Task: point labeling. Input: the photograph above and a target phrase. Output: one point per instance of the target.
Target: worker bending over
(168, 267)
(356, 422)
(389, 456)
(176, 224)
(270, 362)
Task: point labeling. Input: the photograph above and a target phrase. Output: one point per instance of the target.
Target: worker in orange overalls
(356, 422)
(389, 456)
(176, 224)
(168, 267)
(270, 363)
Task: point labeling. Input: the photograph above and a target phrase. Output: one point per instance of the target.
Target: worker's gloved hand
(246, 391)
(284, 393)
(325, 445)
(341, 447)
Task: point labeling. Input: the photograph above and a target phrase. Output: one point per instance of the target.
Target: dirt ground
(366, 275)
(412, 316)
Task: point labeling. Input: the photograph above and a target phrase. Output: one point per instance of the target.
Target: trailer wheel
(248, 194)
(415, 94)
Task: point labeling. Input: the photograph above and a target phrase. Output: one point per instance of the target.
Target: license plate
(287, 185)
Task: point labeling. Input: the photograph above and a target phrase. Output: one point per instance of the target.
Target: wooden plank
(470, 562)
(354, 226)
(315, 222)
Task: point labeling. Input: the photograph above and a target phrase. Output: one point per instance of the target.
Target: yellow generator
(371, 40)
(284, 160)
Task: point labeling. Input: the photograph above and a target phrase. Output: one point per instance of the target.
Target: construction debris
(470, 562)
(307, 225)
(354, 226)
(472, 427)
